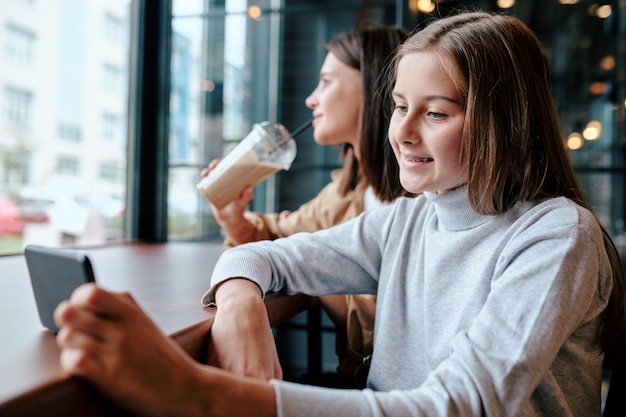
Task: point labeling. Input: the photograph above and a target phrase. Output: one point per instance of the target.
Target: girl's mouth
(411, 158)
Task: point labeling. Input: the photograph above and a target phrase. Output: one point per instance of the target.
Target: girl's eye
(400, 108)
(436, 115)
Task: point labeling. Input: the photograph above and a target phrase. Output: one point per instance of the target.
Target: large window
(63, 104)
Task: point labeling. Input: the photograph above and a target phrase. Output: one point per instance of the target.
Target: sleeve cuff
(208, 299)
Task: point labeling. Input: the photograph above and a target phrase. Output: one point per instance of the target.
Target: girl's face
(336, 103)
(426, 125)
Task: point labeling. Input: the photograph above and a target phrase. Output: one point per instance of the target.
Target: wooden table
(167, 280)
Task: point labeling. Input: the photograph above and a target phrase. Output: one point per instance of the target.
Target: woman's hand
(241, 337)
(231, 217)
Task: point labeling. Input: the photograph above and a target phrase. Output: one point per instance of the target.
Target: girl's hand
(241, 337)
(107, 339)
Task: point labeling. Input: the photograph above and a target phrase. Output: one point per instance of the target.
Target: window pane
(185, 204)
(63, 117)
(220, 86)
(18, 107)
(19, 44)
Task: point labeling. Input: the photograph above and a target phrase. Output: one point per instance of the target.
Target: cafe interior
(184, 82)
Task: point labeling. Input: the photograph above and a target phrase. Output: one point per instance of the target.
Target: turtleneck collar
(454, 211)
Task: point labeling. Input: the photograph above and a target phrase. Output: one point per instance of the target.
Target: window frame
(148, 121)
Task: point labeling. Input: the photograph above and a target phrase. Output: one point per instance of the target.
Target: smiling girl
(499, 293)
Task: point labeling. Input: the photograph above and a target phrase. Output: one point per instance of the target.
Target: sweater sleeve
(308, 262)
(326, 209)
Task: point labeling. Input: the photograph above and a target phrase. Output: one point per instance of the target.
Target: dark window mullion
(148, 121)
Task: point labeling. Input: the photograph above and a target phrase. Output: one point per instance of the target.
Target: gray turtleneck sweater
(476, 315)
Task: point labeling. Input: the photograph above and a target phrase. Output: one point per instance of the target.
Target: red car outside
(10, 222)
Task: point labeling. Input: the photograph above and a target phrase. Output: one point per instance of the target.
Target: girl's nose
(406, 131)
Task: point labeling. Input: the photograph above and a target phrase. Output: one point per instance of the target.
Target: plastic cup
(267, 149)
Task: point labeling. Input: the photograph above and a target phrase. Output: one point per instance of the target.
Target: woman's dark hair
(370, 50)
(512, 146)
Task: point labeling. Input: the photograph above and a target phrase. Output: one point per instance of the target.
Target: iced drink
(267, 149)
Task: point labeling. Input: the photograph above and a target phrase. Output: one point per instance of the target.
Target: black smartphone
(54, 274)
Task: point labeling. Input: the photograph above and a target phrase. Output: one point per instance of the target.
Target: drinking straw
(301, 128)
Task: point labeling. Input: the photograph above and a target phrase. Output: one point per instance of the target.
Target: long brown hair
(370, 50)
(512, 146)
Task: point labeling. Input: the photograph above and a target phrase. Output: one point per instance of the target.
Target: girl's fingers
(78, 362)
(81, 355)
(105, 304)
